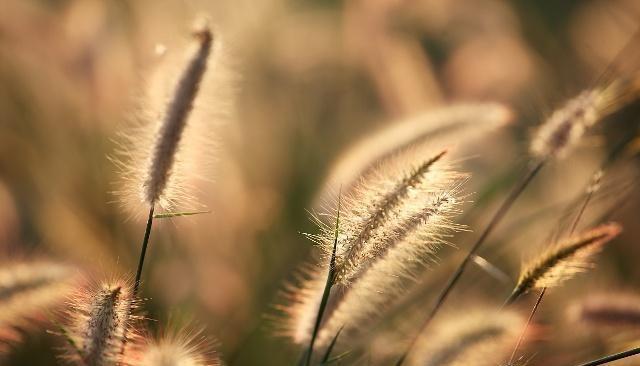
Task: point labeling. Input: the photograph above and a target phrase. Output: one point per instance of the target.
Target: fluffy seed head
(27, 289)
(179, 349)
(170, 131)
(389, 203)
(564, 260)
(476, 338)
(171, 146)
(613, 310)
(390, 229)
(302, 302)
(452, 125)
(101, 323)
(564, 128)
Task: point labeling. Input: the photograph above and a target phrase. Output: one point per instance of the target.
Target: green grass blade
(327, 354)
(166, 215)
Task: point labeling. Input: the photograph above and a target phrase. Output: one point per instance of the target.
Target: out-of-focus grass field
(312, 77)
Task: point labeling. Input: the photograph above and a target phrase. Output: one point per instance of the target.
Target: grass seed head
(475, 338)
(27, 290)
(171, 147)
(566, 125)
(454, 125)
(608, 310)
(389, 203)
(171, 128)
(563, 260)
(181, 348)
(102, 322)
(389, 230)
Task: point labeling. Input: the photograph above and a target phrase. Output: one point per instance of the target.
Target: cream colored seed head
(608, 310)
(166, 157)
(567, 125)
(175, 119)
(27, 289)
(383, 203)
(475, 338)
(101, 322)
(564, 260)
(179, 349)
(389, 230)
(454, 125)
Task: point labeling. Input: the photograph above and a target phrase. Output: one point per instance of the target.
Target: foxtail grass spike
(566, 125)
(457, 124)
(28, 290)
(406, 240)
(175, 120)
(180, 348)
(608, 310)
(355, 249)
(101, 320)
(476, 338)
(172, 143)
(563, 260)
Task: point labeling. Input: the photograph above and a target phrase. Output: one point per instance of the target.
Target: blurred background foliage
(314, 77)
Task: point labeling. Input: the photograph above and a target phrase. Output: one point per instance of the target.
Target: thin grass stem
(583, 207)
(574, 225)
(136, 286)
(502, 211)
(526, 326)
(611, 358)
(331, 276)
(143, 251)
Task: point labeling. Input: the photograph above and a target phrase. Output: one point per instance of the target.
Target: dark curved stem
(323, 305)
(136, 286)
(143, 250)
(325, 294)
(611, 358)
(497, 217)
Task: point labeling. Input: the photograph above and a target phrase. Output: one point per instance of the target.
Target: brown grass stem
(504, 208)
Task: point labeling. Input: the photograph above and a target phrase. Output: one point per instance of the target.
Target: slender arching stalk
(143, 250)
(574, 225)
(323, 304)
(136, 285)
(504, 208)
(611, 358)
(526, 326)
(331, 276)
